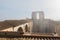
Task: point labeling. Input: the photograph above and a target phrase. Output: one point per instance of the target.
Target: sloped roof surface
(11, 23)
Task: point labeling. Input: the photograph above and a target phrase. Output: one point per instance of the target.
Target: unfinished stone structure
(40, 24)
(37, 18)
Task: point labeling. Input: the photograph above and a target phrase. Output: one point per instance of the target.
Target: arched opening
(20, 30)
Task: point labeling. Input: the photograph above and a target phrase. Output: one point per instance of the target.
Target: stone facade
(10, 29)
(37, 22)
(41, 25)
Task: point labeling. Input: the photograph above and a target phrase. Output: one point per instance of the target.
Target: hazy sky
(20, 9)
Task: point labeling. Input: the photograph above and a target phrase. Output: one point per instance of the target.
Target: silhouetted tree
(26, 28)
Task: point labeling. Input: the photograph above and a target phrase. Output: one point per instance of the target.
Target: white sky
(17, 9)
(51, 8)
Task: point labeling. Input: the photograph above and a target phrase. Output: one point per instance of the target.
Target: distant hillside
(12, 23)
